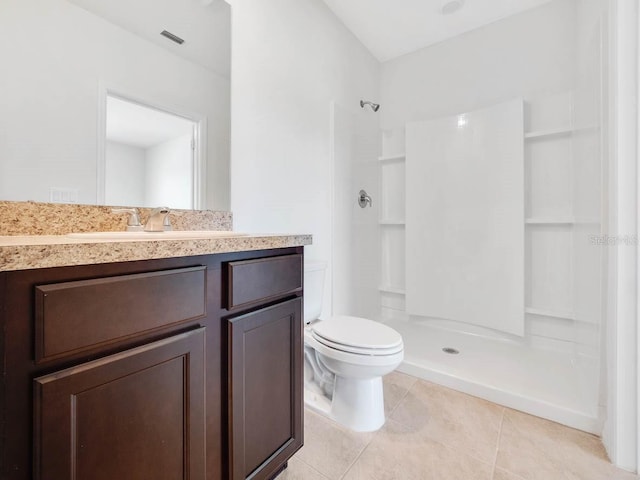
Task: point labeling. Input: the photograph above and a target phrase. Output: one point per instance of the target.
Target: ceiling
(388, 28)
(205, 26)
(140, 126)
(391, 28)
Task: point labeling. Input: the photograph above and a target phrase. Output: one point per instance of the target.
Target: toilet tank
(313, 289)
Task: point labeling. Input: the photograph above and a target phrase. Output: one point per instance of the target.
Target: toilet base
(317, 402)
(358, 404)
(366, 416)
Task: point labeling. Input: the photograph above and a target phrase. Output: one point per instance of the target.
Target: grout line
(361, 452)
(495, 457)
(406, 393)
(307, 465)
(314, 469)
(387, 418)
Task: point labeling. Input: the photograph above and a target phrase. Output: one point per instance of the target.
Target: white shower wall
(532, 55)
(465, 217)
(355, 260)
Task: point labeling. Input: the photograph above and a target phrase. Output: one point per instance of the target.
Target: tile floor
(436, 433)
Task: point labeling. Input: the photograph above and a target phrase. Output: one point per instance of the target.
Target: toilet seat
(357, 336)
(356, 350)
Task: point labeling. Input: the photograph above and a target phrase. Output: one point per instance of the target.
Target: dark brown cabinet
(265, 376)
(133, 415)
(182, 368)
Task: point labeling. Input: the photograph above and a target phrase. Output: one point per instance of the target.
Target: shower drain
(450, 351)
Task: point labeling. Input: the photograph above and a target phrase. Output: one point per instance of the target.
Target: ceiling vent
(172, 37)
(451, 6)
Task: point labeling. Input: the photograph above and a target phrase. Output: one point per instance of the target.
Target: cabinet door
(135, 415)
(265, 390)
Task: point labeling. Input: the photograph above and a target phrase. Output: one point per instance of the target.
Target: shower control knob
(364, 199)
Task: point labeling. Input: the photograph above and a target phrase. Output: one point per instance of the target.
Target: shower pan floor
(555, 385)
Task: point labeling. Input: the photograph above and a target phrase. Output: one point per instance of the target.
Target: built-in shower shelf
(392, 289)
(549, 221)
(586, 221)
(560, 132)
(388, 221)
(561, 221)
(400, 157)
(556, 132)
(550, 313)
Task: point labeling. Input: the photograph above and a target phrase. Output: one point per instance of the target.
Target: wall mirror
(69, 58)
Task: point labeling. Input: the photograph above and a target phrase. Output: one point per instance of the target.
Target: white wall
(58, 56)
(169, 174)
(524, 55)
(124, 175)
(344, 210)
(622, 428)
(290, 59)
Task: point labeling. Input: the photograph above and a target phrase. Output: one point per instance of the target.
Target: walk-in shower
(414, 259)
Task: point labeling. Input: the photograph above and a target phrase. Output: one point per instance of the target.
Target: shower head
(374, 106)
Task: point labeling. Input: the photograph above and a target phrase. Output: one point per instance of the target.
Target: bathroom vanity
(188, 367)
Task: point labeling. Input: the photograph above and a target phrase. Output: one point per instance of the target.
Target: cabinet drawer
(251, 281)
(80, 316)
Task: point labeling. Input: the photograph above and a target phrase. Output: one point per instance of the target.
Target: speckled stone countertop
(35, 218)
(35, 235)
(44, 251)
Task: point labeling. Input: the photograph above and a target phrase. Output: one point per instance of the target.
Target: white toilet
(345, 359)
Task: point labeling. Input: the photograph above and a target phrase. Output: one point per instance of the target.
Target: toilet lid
(357, 335)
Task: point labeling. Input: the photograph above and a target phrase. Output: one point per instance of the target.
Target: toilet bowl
(345, 360)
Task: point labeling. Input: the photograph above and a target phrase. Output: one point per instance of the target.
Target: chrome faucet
(158, 220)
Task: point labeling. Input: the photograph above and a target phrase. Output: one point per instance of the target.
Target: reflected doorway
(149, 156)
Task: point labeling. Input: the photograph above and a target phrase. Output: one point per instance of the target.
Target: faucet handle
(133, 224)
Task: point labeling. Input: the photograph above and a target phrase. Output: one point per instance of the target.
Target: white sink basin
(171, 235)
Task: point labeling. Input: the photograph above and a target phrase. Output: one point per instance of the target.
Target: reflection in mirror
(149, 156)
(64, 59)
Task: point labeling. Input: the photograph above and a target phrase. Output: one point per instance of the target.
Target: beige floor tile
(328, 447)
(436, 433)
(537, 449)
(397, 452)
(500, 474)
(298, 470)
(460, 421)
(396, 385)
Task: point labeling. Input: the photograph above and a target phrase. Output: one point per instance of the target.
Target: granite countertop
(23, 252)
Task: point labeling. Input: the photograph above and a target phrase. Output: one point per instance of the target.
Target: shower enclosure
(544, 356)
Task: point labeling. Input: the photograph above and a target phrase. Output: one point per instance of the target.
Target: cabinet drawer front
(252, 281)
(79, 316)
